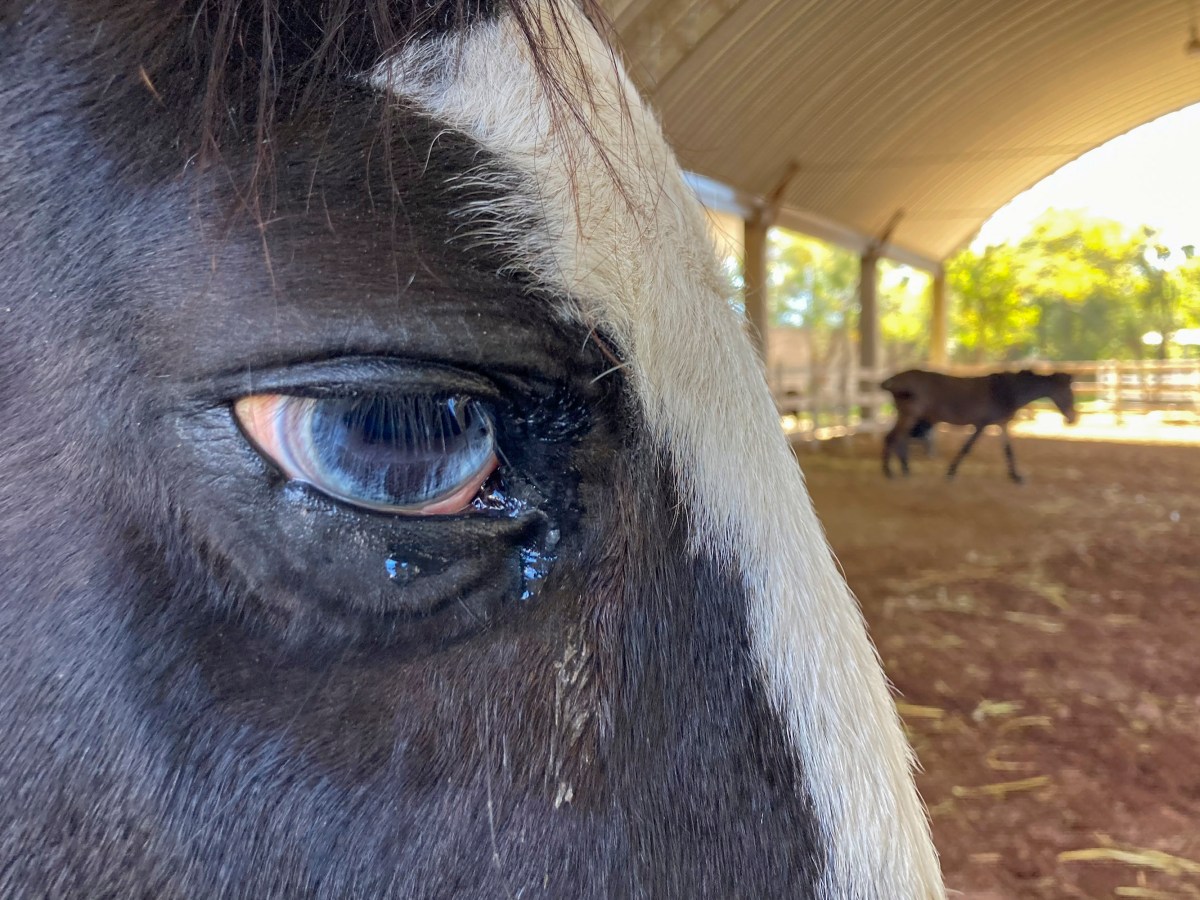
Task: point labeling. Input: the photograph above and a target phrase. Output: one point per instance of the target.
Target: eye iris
(393, 453)
(399, 451)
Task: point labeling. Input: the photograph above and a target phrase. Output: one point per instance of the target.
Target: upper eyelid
(349, 376)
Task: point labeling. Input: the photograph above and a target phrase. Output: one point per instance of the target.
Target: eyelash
(410, 454)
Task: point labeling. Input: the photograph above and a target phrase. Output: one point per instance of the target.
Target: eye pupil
(380, 451)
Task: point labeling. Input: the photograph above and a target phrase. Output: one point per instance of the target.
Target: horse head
(1062, 395)
(392, 502)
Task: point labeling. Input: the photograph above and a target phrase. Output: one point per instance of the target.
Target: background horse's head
(1061, 394)
(391, 503)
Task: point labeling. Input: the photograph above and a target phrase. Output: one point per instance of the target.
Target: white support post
(938, 318)
(868, 331)
(754, 276)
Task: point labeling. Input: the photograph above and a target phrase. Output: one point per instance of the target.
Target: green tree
(1075, 287)
(1091, 283)
(1185, 282)
(904, 311)
(814, 285)
(991, 317)
(814, 288)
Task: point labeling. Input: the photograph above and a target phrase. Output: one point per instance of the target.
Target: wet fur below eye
(413, 455)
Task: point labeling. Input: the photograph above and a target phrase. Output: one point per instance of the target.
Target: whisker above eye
(608, 372)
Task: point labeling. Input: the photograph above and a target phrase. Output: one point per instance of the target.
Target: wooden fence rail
(815, 405)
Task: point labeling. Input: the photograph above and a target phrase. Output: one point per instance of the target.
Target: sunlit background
(1149, 176)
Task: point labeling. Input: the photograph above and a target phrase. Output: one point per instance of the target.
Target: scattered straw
(1120, 620)
(912, 711)
(145, 77)
(1146, 859)
(1044, 624)
(997, 764)
(1053, 593)
(985, 859)
(1001, 789)
(943, 602)
(1024, 722)
(990, 709)
(946, 807)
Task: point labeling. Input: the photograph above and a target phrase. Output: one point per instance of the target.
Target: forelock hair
(233, 70)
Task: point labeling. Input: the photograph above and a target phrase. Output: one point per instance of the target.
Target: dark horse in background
(925, 398)
(391, 505)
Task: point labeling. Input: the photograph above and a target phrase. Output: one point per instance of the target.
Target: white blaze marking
(640, 264)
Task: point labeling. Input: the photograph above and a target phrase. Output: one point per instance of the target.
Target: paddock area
(1045, 643)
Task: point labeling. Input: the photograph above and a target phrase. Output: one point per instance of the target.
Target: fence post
(868, 330)
(844, 399)
(1118, 394)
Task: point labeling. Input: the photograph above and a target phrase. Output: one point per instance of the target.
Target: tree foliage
(1075, 287)
(814, 287)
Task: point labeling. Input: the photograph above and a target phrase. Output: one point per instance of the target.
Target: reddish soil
(1045, 642)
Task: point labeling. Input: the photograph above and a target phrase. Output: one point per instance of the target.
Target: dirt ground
(1045, 641)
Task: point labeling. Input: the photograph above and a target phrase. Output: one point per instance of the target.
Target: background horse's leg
(1008, 455)
(902, 452)
(966, 448)
(887, 449)
(896, 442)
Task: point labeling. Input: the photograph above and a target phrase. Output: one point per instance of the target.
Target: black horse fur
(212, 683)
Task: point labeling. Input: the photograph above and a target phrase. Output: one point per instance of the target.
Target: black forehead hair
(228, 71)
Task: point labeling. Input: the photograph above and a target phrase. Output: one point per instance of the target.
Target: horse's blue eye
(414, 455)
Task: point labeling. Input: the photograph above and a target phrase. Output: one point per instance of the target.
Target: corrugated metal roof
(943, 108)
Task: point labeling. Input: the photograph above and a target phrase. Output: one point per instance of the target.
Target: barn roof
(945, 109)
